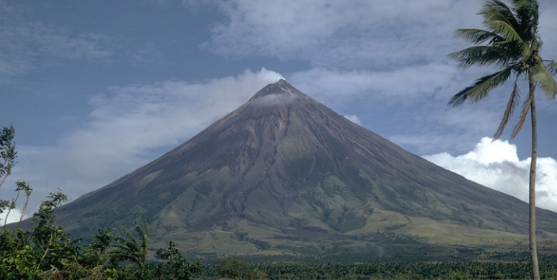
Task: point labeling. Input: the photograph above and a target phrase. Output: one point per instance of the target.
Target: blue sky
(96, 89)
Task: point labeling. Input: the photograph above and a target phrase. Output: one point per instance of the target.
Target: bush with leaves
(235, 268)
(132, 250)
(41, 250)
(176, 266)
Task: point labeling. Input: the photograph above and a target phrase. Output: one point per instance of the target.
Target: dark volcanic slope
(285, 161)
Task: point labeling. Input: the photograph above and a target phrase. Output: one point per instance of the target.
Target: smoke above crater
(275, 99)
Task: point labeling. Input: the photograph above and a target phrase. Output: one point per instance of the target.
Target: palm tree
(131, 249)
(511, 43)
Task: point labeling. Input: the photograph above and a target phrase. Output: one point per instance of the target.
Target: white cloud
(14, 216)
(25, 44)
(496, 165)
(354, 119)
(342, 34)
(130, 126)
(274, 99)
(403, 85)
(357, 34)
(433, 141)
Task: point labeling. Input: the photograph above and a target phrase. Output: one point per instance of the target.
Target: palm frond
(125, 247)
(504, 29)
(130, 238)
(132, 249)
(477, 36)
(511, 106)
(497, 7)
(144, 237)
(526, 51)
(552, 67)
(527, 12)
(524, 3)
(543, 78)
(460, 97)
(499, 18)
(523, 114)
(484, 56)
(481, 87)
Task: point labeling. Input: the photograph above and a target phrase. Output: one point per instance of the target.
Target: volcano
(284, 174)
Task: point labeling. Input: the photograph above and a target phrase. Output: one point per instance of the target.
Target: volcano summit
(284, 174)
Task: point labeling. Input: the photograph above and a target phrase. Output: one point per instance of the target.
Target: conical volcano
(284, 173)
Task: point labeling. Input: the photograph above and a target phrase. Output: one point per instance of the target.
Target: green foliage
(46, 252)
(8, 153)
(42, 250)
(320, 269)
(49, 239)
(235, 268)
(130, 249)
(18, 261)
(8, 156)
(176, 266)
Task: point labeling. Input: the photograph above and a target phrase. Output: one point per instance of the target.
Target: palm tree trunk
(532, 187)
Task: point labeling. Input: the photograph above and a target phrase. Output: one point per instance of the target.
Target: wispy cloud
(354, 119)
(146, 53)
(403, 85)
(25, 45)
(353, 34)
(496, 165)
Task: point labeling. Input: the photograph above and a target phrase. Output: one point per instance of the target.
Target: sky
(98, 88)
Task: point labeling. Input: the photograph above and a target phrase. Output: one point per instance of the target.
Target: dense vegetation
(46, 252)
(392, 270)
